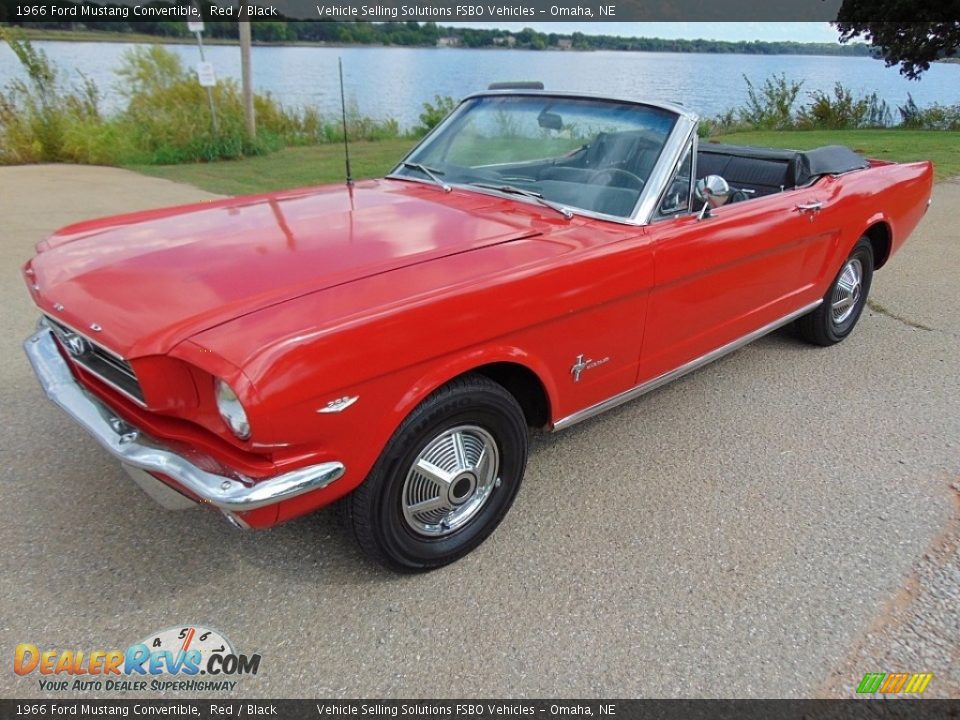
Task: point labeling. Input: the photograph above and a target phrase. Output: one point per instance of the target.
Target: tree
(913, 45)
(270, 31)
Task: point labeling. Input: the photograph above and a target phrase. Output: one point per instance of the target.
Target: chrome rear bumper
(134, 448)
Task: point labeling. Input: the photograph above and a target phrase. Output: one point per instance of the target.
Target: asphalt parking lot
(741, 532)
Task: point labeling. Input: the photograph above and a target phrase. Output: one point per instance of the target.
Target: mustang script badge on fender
(585, 364)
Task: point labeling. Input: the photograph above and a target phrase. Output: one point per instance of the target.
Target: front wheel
(837, 315)
(446, 478)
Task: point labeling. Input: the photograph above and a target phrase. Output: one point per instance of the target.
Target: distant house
(508, 40)
(565, 43)
(448, 41)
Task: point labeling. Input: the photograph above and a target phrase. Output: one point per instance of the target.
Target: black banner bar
(467, 11)
(457, 11)
(867, 709)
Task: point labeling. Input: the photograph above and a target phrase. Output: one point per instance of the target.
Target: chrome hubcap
(846, 293)
(450, 480)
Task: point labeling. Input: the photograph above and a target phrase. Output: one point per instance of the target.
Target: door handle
(810, 208)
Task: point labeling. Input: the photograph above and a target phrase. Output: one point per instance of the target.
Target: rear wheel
(446, 478)
(843, 304)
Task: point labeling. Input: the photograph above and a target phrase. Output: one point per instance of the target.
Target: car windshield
(569, 153)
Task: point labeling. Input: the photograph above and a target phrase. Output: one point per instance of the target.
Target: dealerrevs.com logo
(189, 658)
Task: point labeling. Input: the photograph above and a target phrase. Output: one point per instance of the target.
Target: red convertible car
(538, 258)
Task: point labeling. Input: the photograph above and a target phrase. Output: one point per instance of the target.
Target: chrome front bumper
(135, 449)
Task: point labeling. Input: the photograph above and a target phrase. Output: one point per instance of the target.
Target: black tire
(821, 326)
(376, 510)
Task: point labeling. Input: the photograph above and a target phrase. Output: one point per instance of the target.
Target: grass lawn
(297, 167)
(288, 168)
(940, 146)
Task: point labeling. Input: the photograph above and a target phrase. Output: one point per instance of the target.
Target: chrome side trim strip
(679, 372)
(133, 447)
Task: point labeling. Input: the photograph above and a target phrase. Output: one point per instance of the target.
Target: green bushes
(434, 112)
(841, 110)
(166, 118)
(935, 117)
(771, 107)
(167, 114)
(40, 118)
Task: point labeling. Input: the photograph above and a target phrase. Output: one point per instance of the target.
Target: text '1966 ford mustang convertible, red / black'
(538, 258)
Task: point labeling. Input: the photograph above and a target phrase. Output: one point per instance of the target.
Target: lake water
(394, 82)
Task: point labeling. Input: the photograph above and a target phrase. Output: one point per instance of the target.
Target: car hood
(150, 280)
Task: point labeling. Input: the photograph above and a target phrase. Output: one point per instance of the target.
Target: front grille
(109, 367)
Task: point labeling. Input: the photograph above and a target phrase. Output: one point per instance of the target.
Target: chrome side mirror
(713, 191)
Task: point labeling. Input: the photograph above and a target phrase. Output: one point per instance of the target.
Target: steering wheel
(634, 181)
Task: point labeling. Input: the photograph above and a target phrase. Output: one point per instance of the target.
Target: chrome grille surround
(231, 493)
(106, 365)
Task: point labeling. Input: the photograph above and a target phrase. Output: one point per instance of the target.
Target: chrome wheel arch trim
(680, 371)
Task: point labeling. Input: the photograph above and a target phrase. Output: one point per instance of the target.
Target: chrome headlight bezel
(231, 409)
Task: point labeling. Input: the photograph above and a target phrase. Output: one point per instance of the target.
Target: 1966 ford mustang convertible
(538, 258)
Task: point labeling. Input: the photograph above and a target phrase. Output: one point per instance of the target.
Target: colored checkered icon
(891, 683)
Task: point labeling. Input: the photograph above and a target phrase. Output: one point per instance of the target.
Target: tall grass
(935, 117)
(40, 116)
(774, 105)
(166, 116)
(434, 112)
(770, 106)
(842, 110)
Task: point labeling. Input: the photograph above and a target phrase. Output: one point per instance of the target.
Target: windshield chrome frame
(693, 143)
(646, 205)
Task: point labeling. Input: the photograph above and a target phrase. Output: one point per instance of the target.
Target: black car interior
(764, 171)
(605, 176)
(608, 174)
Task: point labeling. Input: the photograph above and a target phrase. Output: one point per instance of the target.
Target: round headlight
(231, 410)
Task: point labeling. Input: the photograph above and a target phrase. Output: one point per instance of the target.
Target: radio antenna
(343, 111)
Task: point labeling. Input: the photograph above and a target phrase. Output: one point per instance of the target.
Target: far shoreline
(93, 36)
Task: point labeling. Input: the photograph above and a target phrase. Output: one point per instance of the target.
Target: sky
(797, 31)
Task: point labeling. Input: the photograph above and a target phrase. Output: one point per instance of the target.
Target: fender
(205, 367)
(423, 381)
(451, 367)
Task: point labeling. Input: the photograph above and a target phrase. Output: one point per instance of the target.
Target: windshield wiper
(429, 172)
(514, 190)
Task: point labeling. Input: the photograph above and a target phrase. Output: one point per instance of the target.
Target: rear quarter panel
(897, 195)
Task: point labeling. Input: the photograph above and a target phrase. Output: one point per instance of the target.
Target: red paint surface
(392, 289)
